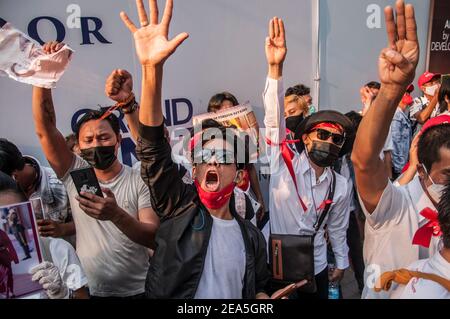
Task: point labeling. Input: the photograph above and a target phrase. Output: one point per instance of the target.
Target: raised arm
(273, 96)
(153, 48)
(52, 141)
(397, 65)
(119, 88)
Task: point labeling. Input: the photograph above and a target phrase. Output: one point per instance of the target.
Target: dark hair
(444, 91)
(444, 214)
(210, 127)
(430, 144)
(298, 90)
(216, 101)
(11, 158)
(95, 115)
(9, 185)
(373, 85)
(356, 119)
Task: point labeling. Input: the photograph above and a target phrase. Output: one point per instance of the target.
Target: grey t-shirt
(114, 265)
(224, 269)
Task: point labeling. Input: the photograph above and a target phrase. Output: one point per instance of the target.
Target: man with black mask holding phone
(303, 187)
(114, 230)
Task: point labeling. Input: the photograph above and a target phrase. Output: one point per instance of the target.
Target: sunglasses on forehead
(223, 157)
(324, 135)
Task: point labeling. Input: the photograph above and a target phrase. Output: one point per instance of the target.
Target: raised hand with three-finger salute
(276, 48)
(397, 63)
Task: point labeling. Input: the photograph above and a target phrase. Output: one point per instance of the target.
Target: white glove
(48, 276)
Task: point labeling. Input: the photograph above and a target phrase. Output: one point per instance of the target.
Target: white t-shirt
(224, 268)
(389, 233)
(422, 288)
(115, 265)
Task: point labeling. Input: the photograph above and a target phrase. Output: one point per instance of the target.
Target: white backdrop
(225, 51)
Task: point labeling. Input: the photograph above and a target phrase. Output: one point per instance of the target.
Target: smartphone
(289, 289)
(86, 181)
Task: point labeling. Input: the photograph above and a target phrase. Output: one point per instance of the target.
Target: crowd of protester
(368, 189)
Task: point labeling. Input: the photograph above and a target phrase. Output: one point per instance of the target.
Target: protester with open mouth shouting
(203, 248)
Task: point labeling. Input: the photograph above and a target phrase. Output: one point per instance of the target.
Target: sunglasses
(324, 135)
(223, 157)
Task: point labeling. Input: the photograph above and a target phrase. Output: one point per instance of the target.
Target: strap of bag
(328, 203)
(287, 156)
(403, 276)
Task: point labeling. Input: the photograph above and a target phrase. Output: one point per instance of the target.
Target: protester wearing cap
(426, 106)
(320, 139)
(393, 214)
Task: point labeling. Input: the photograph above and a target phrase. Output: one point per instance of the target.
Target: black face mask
(324, 154)
(100, 157)
(293, 121)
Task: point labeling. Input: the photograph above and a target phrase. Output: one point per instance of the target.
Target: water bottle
(333, 290)
(333, 287)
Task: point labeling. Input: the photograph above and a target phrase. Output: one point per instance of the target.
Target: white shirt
(422, 288)
(63, 256)
(389, 232)
(286, 213)
(224, 268)
(114, 264)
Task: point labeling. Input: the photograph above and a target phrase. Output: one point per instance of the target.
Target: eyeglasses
(223, 157)
(324, 135)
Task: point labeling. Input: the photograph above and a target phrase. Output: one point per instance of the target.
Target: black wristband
(130, 107)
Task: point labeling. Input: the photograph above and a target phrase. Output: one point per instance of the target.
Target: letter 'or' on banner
(23, 59)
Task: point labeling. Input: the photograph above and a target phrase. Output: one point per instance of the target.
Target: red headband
(328, 125)
(194, 140)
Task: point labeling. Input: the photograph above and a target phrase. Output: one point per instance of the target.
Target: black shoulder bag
(292, 256)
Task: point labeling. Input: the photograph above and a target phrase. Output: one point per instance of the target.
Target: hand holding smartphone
(289, 289)
(86, 181)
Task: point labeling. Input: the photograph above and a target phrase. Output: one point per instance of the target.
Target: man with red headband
(301, 178)
(395, 214)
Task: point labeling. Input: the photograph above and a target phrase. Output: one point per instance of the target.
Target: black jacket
(182, 239)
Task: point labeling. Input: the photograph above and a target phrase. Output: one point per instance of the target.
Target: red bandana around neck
(215, 200)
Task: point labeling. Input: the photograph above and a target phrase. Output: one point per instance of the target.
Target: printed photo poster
(242, 118)
(439, 54)
(19, 251)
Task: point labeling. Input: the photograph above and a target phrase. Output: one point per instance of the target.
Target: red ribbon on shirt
(288, 155)
(325, 203)
(423, 235)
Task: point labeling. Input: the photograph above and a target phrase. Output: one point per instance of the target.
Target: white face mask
(435, 190)
(431, 90)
